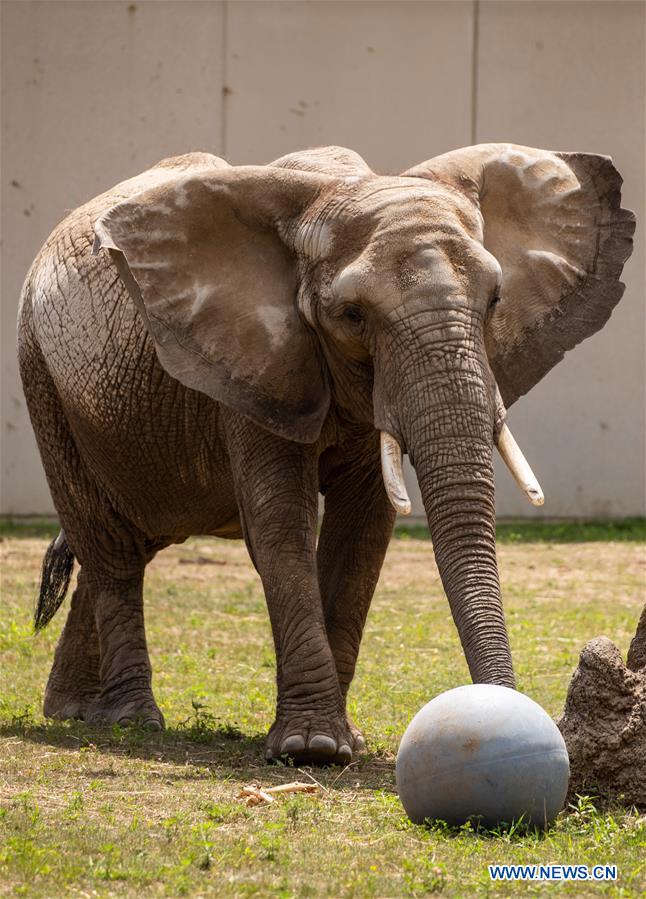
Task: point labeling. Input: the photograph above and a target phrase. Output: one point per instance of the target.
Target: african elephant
(205, 348)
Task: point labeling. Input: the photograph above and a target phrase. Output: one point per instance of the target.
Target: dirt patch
(579, 573)
(604, 721)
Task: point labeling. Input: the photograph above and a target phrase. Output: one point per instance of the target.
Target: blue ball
(486, 751)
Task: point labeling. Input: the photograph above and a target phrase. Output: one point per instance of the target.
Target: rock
(604, 722)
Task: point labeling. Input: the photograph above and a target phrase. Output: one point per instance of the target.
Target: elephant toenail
(293, 744)
(359, 744)
(344, 754)
(153, 724)
(322, 745)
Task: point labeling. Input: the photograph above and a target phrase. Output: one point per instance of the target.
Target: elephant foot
(141, 710)
(310, 739)
(63, 705)
(358, 740)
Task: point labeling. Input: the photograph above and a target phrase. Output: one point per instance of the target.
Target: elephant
(206, 348)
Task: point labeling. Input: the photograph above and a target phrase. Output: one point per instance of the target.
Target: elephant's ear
(554, 222)
(203, 258)
(337, 161)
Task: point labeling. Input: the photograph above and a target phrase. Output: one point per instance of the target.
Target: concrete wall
(93, 92)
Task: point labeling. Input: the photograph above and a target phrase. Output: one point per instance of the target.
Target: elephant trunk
(458, 494)
(444, 414)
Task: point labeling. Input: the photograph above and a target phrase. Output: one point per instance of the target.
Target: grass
(631, 530)
(112, 812)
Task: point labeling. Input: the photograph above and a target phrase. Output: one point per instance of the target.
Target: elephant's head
(421, 303)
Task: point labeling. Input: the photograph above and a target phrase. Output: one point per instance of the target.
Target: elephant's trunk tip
(391, 468)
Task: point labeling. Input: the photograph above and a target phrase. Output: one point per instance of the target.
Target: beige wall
(570, 76)
(96, 91)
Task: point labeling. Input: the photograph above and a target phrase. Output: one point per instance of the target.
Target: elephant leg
(101, 669)
(74, 681)
(125, 672)
(277, 490)
(357, 526)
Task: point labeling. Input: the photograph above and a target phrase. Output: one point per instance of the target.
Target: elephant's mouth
(511, 453)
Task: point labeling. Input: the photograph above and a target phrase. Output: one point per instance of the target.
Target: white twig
(253, 794)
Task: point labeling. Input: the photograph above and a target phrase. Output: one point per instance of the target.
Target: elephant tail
(54, 580)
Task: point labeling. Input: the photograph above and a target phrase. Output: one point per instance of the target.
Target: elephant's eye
(353, 314)
(495, 299)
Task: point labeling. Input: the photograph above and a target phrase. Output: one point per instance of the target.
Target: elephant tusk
(519, 466)
(391, 469)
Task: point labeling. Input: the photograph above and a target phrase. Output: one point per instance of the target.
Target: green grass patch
(14, 528)
(631, 530)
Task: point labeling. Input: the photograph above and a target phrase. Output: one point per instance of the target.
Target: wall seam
(224, 90)
(474, 70)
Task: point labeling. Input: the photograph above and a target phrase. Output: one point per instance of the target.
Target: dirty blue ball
(483, 750)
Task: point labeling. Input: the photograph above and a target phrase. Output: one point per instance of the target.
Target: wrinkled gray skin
(233, 347)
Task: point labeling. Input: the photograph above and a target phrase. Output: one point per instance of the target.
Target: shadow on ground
(214, 750)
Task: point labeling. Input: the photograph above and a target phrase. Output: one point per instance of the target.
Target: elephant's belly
(177, 487)
(167, 465)
(175, 483)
